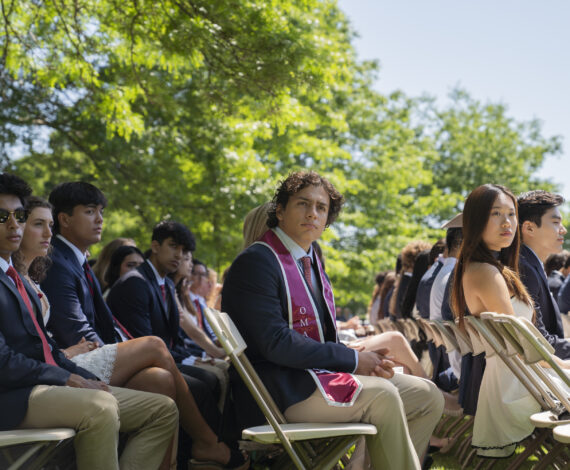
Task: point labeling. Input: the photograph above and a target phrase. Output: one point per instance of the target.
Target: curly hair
(294, 183)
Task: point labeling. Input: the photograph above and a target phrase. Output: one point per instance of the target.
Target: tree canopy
(193, 110)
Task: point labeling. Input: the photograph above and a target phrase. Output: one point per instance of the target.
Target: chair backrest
(531, 343)
(233, 343)
(461, 337)
(492, 326)
(448, 339)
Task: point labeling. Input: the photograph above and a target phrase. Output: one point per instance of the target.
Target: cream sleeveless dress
(503, 412)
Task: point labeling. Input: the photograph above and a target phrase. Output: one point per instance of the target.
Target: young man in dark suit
(144, 299)
(281, 300)
(542, 234)
(79, 310)
(40, 388)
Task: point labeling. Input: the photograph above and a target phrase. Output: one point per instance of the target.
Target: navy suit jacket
(136, 301)
(254, 296)
(75, 313)
(22, 365)
(548, 319)
(424, 291)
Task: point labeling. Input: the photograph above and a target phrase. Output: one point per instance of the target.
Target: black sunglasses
(21, 215)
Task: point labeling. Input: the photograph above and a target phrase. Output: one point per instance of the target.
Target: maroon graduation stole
(337, 388)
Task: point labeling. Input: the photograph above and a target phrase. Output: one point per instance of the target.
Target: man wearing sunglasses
(40, 388)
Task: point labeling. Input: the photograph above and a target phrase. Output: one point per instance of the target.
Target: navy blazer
(22, 365)
(136, 301)
(548, 319)
(254, 296)
(75, 313)
(424, 290)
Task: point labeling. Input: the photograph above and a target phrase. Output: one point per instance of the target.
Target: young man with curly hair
(281, 300)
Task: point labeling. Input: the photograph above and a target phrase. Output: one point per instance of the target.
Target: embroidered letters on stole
(337, 388)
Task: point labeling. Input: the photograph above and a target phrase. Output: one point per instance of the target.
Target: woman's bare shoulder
(480, 275)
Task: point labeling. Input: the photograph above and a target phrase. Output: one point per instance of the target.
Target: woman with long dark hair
(486, 279)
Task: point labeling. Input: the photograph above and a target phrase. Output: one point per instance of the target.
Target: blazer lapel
(149, 274)
(29, 324)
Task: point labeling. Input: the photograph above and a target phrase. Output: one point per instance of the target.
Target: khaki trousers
(404, 409)
(98, 416)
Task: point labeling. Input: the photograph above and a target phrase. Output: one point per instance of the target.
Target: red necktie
(22, 290)
(198, 312)
(306, 260)
(163, 292)
(89, 276)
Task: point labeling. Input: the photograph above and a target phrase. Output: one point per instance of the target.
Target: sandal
(238, 461)
(443, 449)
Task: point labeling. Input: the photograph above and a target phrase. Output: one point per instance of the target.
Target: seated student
(200, 287)
(542, 234)
(102, 262)
(555, 273)
(563, 297)
(208, 355)
(78, 311)
(408, 256)
(124, 259)
(291, 347)
(40, 388)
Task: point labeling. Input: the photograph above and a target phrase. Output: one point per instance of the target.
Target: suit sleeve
(130, 301)
(532, 284)
(18, 370)
(67, 322)
(252, 297)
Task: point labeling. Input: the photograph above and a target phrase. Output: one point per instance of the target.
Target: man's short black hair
(175, 230)
(66, 196)
(14, 186)
(534, 204)
(453, 238)
(294, 183)
(197, 262)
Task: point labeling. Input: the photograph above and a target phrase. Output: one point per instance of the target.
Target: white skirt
(100, 361)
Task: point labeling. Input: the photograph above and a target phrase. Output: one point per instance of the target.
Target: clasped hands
(376, 363)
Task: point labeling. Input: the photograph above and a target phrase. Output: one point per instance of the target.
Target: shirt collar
(81, 257)
(449, 260)
(160, 280)
(197, 297)
(4, 265)
(296, 251)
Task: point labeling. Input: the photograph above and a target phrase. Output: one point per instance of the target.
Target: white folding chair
(308, 445)
(43, 442)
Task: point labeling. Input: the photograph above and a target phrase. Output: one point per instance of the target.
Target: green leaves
(194, 110)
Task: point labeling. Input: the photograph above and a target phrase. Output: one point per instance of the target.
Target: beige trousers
(404, 409)
(98, 416)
